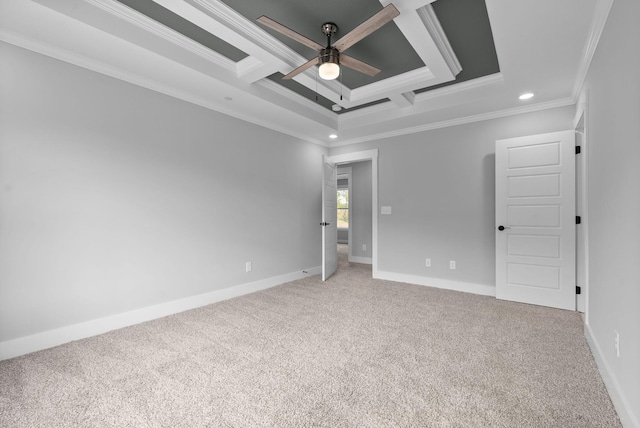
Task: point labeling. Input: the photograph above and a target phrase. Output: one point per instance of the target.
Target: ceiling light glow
(526, 96)
(333, 136)
(329, 71)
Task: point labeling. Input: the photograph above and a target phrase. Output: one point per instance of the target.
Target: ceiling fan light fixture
(329, 64)
(329, 71)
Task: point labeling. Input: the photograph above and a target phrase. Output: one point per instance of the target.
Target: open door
(329, 219)
(535, 220)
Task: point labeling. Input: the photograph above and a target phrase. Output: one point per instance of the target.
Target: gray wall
(613, 149)
(113, 197)
(440, 185)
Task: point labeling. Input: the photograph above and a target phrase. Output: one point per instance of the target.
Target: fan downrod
(328, 29)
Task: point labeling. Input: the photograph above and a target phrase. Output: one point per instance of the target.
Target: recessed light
(336, 107)
(526, 96)
(333, 136)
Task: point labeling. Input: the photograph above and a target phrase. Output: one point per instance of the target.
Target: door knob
(501, 228)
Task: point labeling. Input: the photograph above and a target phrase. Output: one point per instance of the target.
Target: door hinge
(578, 219)
(578, 150)
(578, 289)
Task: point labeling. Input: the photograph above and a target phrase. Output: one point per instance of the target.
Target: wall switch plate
(452, 264)
(385, 210)
(364, 247)
(247, 266)
(427, 262)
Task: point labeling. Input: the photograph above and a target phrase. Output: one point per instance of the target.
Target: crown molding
(458, 121)
(432, 24)
(239, 25)
(603, 7)
(389, 109)
(148, 25)
(480, 82)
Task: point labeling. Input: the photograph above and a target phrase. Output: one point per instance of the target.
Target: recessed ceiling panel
(386, 48)
(466, 24)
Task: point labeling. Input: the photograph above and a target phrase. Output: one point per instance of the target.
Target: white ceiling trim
(597, 27)
(480, 82)
(123, 12)
(405, 82)
(458, 121)
(406, 99)
(432, 24)
(108, 15)
(447, 96)
(414, 22)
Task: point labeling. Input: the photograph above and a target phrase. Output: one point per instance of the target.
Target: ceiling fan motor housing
(329, 55)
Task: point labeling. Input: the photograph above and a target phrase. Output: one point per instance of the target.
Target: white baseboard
(467, 287)
(364, 260)
(619, 399)
(47, 339)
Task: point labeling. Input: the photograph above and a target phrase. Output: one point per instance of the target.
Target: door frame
(347, 175)
(580, 125)
(329, 218)
(367, 155)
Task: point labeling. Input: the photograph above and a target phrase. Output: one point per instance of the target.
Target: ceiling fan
(331, 57)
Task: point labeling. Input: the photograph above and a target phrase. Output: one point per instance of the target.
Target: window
(343, 208)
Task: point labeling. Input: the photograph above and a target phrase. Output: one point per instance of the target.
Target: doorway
(364, 169)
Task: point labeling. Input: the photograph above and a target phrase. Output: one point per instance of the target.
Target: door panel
(533, 246)
(535, 204)
(329, 219)
(534, 156)
(533, 215)
(533, 276)
(534, 185)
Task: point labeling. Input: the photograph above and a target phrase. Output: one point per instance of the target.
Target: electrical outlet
(427, 262)
(616, 339)
(364, 247)
(452, 264)
(247, 266)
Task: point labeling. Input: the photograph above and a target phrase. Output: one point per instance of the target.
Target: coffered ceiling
(442, 62)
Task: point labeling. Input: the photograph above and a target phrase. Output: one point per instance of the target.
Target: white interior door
(535, 220)
(329, 219)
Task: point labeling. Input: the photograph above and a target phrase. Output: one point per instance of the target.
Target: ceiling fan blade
(357, 65)
(367, 27)
(302, 68)
(268, 22)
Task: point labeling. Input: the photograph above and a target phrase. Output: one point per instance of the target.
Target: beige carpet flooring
(351, 352)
